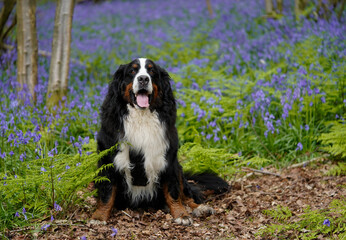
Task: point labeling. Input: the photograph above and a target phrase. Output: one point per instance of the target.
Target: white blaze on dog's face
(142, 83)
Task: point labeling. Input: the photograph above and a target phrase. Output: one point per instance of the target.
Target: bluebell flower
(299, 146)
(57, 207)
(307, 127)
(114, 232)
(326, 222)
(45, 227)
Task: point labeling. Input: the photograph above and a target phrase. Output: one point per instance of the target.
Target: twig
(307, 162)
(22, 229)
(260, 171)
(126, 214)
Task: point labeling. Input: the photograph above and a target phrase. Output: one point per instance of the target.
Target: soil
(239, 213)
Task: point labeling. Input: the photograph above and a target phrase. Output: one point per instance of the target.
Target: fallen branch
(260, 171)
(321, 158)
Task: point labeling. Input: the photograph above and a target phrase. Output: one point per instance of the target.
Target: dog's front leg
(175, 204)
(105, 206)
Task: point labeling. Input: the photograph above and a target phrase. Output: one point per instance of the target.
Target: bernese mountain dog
(138, 116)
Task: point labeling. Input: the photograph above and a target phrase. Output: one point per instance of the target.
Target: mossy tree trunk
(27, 46)
(299, 7)
(60, 60)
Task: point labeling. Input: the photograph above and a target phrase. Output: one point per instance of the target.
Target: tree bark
(60, 60)
(279, 6)
(210, 9)
(299, 6)
(27, 46)
(4, 15)
(269, 7)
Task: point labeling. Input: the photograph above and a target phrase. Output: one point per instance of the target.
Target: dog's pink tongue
(142, 100)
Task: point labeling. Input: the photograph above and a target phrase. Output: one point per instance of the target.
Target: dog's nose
(143, 80)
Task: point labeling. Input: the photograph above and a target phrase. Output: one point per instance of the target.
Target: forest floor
(239, 213)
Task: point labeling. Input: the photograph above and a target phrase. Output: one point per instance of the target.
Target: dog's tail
(205, 184)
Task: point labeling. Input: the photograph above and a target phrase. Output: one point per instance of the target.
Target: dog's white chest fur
(143, 133)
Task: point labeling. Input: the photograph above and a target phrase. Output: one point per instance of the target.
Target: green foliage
(197, 159)
(335, 141)
(47, 183)
(280, 214)
(311, 224)
(337, 170)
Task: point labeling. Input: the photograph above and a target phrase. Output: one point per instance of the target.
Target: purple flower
(299, 146)
(67, 167)
(307, 127)
(43, 169)
(326, 222)
(51, 218)
(17, 214)
(57, 207)
(83, 238)
(44, 227)
(114, 232)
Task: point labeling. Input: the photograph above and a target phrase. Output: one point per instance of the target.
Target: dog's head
(142, 83)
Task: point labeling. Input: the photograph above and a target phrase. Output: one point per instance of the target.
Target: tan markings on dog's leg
(104, 210)
(198, 209)
(191, 203)
(177, 209)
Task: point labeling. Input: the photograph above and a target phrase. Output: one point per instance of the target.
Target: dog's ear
(166, 90)
(111, 100)
(119, 74)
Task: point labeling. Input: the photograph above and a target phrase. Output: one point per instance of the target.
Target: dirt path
(239, 214)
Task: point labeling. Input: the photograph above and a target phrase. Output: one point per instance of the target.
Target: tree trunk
(210, 9)
(4, 15)
(27, 46)
(299, 7)
(269, 7)
(279, 6)
(60, 60)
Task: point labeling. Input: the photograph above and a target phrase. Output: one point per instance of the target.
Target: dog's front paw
(203, 210)
(185, 220)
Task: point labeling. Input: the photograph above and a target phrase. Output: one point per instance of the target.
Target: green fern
(335, 141)
(197, 159)
(281, 213)
(337, 170)
(312, 223)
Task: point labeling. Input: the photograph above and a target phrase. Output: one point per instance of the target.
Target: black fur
(113, 111)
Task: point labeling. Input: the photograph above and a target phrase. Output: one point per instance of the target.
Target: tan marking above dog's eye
(135, 65)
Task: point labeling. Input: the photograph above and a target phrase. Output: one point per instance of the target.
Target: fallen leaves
(238, 214)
